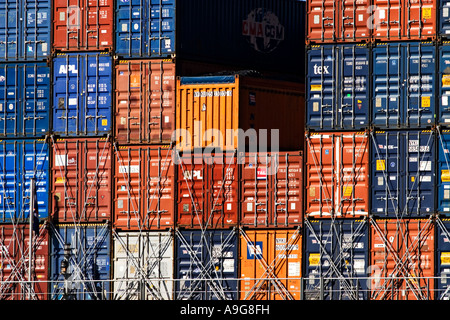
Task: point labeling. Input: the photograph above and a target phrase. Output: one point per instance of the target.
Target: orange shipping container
(402, 259)
(270, 264)
(210, 111)
(144, 188)
(337, 175)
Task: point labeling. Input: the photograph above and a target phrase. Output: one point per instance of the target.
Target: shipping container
(207, 190)
(82, 25)
(259, 34)
(82, 94)
(337, 175)
(444, 84)
(338, 21)
(25, 30)
(271, 189)
(338, 86)
(81, 180)
(336, 259)
(403, 173)
(443, 173)
(442, 259)
(444, 22)
(15, 263)
(206, 264)
(80, 262)
(143, 265)
(24, 100)
(402, 259)
(230, 112)
(395, 20)
(144, 187)
(270, 264)
(20, 161)
(404, 85)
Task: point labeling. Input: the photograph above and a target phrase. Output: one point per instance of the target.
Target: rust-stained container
(208, 190)
(144, 186)
(337, 175)
(404, 20)
(402, 259)
(82, 180)
(270, 264)
(14, 262)
(145, 101)
(271, 189)
(338, 21)
(220, 111)
(83, 25)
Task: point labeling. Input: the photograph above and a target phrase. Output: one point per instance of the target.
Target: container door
(36, 29)
(131, 31)
(10, 179)
(444, 19)
(68, 24)
(388, 20)
(443, 173)
(161, 28)
(322, 25)
(420, 20)
(99, 24)
(353, 17)
(444, 84)
(11, 83)
(443, 259)
(10, 30)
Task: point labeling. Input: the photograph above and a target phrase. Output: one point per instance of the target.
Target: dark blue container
(443, 172)
(82, 94)
(338, 252)
(21, 160)
(265, 35)
(444, 19)
(404, 82)
(443, 259)
(338, 87)
(444, 84)
(25, 29)
(24, 100)
(403, 173)
(88, 271)
(208, 260)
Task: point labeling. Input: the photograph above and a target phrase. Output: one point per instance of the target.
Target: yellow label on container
(426, 102)
(314, 259)
(445, 175)
(348, 191)
(60, 180)
(135, 81)
(104, 122)
(381, 165)
(312, 192)
(446, 80)
(316, 87)
(445, 258)
(426, 13)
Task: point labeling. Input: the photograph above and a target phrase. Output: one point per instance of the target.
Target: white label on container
(60, 160)
(446, 194)
(446, 209)
(444, 100)
(72, 101)
(445, 12)
(228, 206)
(361, 17)
(293, 206)
(382, 14)
(128, 169)
(315, 106)
(166, 119)
(359, 265)
(44, 46)
(1, 106)
(425, 179)
(250, 206)
(120, 204)
(425, 165)
(228, 265)
(317, 19)
(62, 16)
(104, 31)
(294, 269)
(124, 27)
(380, 181)
(379, 245)
(447, 120)
(379, 209)
(393, 178)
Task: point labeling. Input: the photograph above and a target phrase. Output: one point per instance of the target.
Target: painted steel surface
(442, 258)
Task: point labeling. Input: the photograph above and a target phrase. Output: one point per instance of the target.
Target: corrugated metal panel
(218, 111)
(82, 94)
(25, 30)
(337, 175)
(338, 87)
(444, 84)
(206, 265)
(442, 259)
(83, 25)
(143, 255)
(21, 160)
(24, 100)
(89, 262)
(257, 34)
(404, 85)
(402, 259)
(81, 180)
(444, 21)
(337, 251)
(270, 264)
(144, 186)
(403, 173)
(208, 191)
(14, 263)
(271, 192)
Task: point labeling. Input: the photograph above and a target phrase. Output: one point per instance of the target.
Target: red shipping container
(271, 189)
(14, 263)
(394, 20)
(208, 188)
(144, 188)
(337, 175)
(338, 21)
(82, 180)
(85, 25)
(402, 259)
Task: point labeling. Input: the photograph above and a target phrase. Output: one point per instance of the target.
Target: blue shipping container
(21, 160)
(206, 265)
(257, 34)
(24, 100)
(82, 94)
(25, 30)
(403, 173)
(338, 252)
(443, 172)
(444, 84)
(444, 18)
(89, 263)
(443, 259)
(338, 87)
(404, 80)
